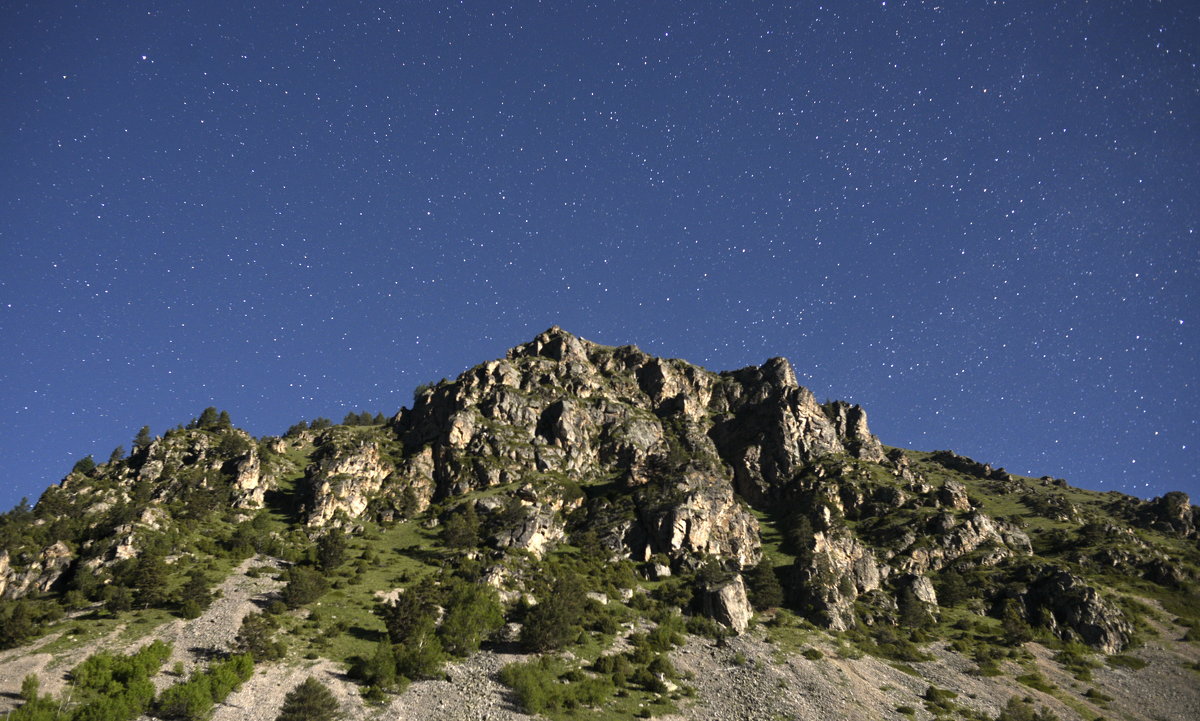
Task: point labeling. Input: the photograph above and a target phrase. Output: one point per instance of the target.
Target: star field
(977, 219)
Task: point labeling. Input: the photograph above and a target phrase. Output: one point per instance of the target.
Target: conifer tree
(208, 418)
(462, 528)
(87, 464)
(763, 587)
(331, 550)
(310, 701)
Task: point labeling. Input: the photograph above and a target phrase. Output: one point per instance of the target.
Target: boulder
(1072, 609)
(727, 603)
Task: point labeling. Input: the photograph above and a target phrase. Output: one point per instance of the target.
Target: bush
(192, 700)
(256, 637)
(539, 685)
(310, 701)
(1019, 710)
(554, 622)
(378, 671)
(472, 613)
(117, 686)
(461, 529)
(1075, 657)
(421, 656)
(1037, 681)
(304, 585)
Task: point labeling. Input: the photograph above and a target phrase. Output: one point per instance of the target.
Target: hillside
(585, 531)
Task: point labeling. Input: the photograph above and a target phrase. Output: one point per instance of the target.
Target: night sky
(977, 219)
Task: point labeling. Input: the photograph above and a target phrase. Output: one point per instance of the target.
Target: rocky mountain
(581, 530)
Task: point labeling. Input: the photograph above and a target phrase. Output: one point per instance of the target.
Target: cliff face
(653, 460)
(670, 460)
(683, 441)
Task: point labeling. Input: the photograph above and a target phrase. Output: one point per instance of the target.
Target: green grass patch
(1037, 681)
(1122, 660)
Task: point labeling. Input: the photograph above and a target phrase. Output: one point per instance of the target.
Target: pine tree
(914, 614)
(208, 418)
(117, 454)
(84, 465)
(763, 587)
(409, 612)
(461, 530)
(310, 701)
(1012, 622)
(194, 597)
(555, 620)
(30, 686)
(331, 550)
(473, 613)
(148, 579)
(143, 439)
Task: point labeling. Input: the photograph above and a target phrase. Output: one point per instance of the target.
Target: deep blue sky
(977, 219)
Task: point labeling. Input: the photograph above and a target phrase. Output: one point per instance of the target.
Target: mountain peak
(554, 343)
(638, 491)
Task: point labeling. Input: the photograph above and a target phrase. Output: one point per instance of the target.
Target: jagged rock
(343, 480)
(922, 589)
(727, 603)
(658, 571)
(954, 495)
(561, 404)
(955, 537)
(1071, 608)
(37, 576)
(970, 466)
(535, 528)
(901, 464)
(851, 424)
(702, 518)
(839, 569)
(1175, 511)
(249, 485)
(657, 459)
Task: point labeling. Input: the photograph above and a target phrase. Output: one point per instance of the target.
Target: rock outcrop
(684, 438)
(39, 575)
(1174, 511)
(727, 603)
(344, 478)
(1072, 609)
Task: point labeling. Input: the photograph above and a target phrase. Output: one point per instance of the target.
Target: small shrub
(1125, 661)
(1037, 681)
